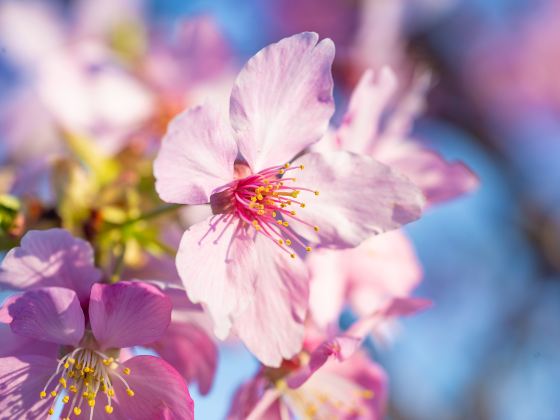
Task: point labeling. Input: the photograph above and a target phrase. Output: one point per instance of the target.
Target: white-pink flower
(270, 199)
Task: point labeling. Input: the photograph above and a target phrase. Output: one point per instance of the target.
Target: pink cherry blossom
(367, 129)
(241, 263)
(87, 375)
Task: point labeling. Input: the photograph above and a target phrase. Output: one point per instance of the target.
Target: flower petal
(128, 314)
(196, 156)
(21, 380)
(17, 345)
(50, 258)
(159, 392)
(440, 180)
(361, 123)
(191, 351)
(210, 261)
(379, 269)
(50, 314)
(282, 100)
(272, 325)
(358, 197)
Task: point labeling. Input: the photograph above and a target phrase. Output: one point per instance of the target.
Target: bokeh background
(490, 347)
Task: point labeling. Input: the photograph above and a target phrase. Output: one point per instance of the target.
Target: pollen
(77, 411)
(66, 399)
(43, 395)
(308, 248)
(108, 409)
(126, 371)
(316, 192)
(130, 392)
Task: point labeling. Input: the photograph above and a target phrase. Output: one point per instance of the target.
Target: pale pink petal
(328, 285)
(439, 180)
(128, 314)
(17, 345)
(50, 314)
(191, 352)
(358, 197)
(196, 156)
(397, 307)
(361, 123)
(339, 348)
(21, 380)
(159, 392)
(211, 262)
(272, 325)
(50, 258)
(282, 100)
(246, 397)
(371, 380)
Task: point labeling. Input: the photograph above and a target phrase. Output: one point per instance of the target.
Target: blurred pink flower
(369, 128)
(87, 372)
(330, 378)
(280, 104)
(54, 258)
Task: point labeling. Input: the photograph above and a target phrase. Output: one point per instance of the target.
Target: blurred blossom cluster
(311, 209)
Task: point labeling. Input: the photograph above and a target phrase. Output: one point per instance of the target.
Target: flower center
(80, 376)
(265, 201)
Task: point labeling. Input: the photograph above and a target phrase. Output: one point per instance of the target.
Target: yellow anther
(86, 369)
(292, 255)
(72, 360)
(62, 382)
(316, 228)
(260, 197)
(288, 242)
(367, 394)
(286, 224)
(65, 399)
(293, 212)
(126, 371)
(253, 198)
(51, 411)
(260, 212)
(279, 222)
(130, 392)
(308, 248)
(43, 394)
(85, 394)
(302, 205)
(266, 181)
(283, 205)
(316, 193)
(108, 409)
(111, 392)
(311, 410)
(280, 241)
(286, 165)
(301, 167)
(66, 365)
(273, 214)
(281, 172)
(73, 389)
(91, 403)
(281, 385)
(77, 411)
(54, 393)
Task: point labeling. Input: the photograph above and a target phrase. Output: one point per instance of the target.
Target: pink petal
(358, 197)
(439, 179)
(159, 392)
(328, 285)
(50, 314)
(339, 348)
(196, 156)
(17, 345)
(211, 263)
(21, 380)
(128, 314)
(371, 378)
(396, 307)
(50, 258)
(272, 325)
(379, 269)
(361, 123)
(282, 100)
(191, 351)
(246, 397)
